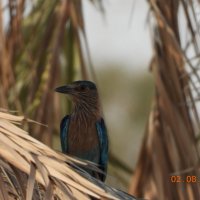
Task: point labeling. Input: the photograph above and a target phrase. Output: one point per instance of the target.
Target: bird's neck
(86, 111)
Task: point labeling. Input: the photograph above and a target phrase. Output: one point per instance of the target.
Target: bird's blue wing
(64, 133)
(103, 140)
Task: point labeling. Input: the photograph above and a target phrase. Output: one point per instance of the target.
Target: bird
(83, 133)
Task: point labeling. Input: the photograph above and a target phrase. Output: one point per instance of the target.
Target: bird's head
(80, 91)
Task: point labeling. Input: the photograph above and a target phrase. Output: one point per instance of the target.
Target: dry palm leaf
(31, 170)
(170, 147)
(50, 38)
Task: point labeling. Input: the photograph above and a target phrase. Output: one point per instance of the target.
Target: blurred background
(127, 48)
(119, 46)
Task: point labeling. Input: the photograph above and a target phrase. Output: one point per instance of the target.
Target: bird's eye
(82, 88)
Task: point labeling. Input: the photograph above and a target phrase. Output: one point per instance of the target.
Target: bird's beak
(66, 89)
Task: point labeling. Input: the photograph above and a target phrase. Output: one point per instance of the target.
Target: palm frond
(30, 169)
(42, 45)
(170, 146)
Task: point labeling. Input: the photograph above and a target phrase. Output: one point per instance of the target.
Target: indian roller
(83, 133)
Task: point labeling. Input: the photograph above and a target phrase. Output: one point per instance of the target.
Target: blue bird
(83, 133)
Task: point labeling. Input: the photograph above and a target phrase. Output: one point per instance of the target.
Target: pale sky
(122, 36)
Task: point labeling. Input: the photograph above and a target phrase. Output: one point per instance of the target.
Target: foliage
(31, 170)
(40, 48)
(170, 146)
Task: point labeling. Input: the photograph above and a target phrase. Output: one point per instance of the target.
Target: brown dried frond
(42, 44)
(31, 170)
(170, 146)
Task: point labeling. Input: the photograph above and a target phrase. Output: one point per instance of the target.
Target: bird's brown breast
(83, 138)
